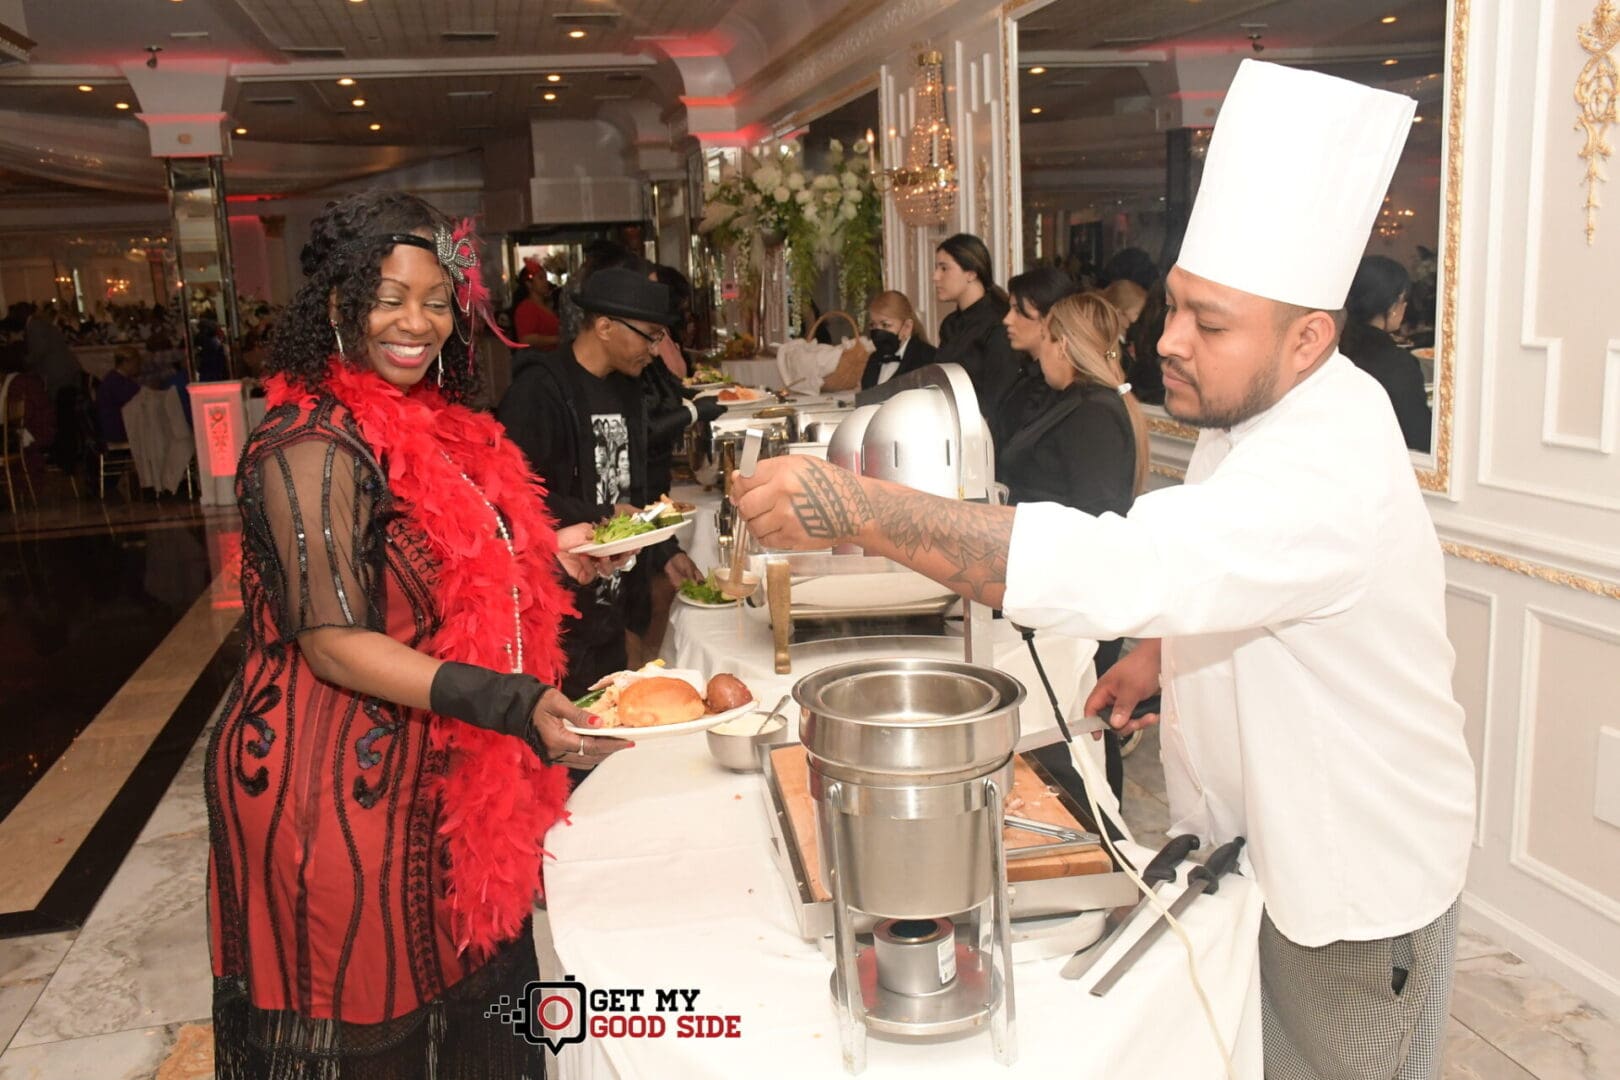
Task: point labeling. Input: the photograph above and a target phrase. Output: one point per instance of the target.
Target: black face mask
(886, 342)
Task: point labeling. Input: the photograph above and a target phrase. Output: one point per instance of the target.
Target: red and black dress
(373, 867)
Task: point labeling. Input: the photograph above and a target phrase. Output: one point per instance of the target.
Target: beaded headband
(457, 251)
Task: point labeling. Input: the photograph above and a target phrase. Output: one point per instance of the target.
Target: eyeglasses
(651, 339)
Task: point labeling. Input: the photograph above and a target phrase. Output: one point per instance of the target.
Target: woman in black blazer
(1377, 305)
(973, 335)
(1082, 444)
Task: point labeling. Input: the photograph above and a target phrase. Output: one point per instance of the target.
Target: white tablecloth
(761, 371)
(663, 879)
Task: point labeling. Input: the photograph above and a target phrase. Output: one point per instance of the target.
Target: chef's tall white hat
(1295, 176)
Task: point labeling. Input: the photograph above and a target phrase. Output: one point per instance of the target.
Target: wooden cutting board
(1040, 803)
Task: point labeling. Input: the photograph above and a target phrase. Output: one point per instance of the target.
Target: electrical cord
(1088, 769)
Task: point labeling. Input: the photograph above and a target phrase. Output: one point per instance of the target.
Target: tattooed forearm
(831, 505)
(963, 545)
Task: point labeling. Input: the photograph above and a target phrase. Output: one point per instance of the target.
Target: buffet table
(663, 879)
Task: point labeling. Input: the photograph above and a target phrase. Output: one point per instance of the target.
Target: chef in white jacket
(1290, 595)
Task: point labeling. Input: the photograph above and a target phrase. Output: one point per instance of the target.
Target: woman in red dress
(392, 753)
(533, 320)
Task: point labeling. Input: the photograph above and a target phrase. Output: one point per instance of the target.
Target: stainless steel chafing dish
(929, 435)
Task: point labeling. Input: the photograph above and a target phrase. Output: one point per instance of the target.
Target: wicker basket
(851, 365)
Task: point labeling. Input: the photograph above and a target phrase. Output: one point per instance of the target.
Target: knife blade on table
(1203, 879)
(1159, 871)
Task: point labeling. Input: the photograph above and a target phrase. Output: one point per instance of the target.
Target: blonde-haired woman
(1083, 444)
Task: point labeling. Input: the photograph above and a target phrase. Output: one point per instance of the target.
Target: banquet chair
(11, 444)
(113, 459)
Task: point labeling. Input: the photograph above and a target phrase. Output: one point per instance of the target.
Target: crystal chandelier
(925, 187)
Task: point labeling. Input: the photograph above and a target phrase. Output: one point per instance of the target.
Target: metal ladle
(737, 583)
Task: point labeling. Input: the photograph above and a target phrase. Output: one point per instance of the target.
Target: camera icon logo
(551, 1014)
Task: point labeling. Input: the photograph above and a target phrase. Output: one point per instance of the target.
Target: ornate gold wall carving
(1549, 574)
(1595, 90)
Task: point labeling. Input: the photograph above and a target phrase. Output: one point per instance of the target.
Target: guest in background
(1128, 299)
(533, 320)
(1129, 264)
(116, 390)
(897, 345)
(212, 365)
(1377, 306)
(974, 335)
(1084, 445)
(1145, 371)
(51, 359)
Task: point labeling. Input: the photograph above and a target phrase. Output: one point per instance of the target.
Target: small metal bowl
(740, 753)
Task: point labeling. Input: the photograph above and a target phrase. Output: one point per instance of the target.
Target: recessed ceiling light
(85, 88)
(1037, 70)
(549, 96)
(241, 131)
(1418, 119)
(553, 78)
(358, 103)
(1391, 62)
(576, 34)
(1036, 111)
(121, 105)
(1387, 19)
(345, 81)
(376, 127)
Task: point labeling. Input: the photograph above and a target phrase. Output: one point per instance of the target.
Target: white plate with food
(657, 522)
(703, 594)
(737, 395)
(652, 703)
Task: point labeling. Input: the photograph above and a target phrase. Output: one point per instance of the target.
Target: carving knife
(1159, 871)
(1203, 879)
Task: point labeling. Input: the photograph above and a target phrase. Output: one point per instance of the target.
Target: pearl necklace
(514, 649)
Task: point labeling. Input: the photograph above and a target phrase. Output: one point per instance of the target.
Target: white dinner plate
(689, 602)
(631, 543)
(659, 731)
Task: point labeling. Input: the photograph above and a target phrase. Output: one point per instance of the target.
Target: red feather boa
(497, 799)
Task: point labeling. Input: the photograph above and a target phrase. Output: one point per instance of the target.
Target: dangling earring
(341, 350)
(441, 367)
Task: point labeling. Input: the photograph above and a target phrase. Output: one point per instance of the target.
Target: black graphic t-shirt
(605, 408)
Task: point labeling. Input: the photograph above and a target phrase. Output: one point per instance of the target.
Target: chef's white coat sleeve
(1263, 540)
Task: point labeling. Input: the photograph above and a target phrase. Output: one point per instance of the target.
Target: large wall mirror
(1116, 100)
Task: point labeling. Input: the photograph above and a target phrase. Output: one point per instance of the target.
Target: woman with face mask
(897, 345)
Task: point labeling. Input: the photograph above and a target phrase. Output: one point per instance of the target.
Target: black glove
(490, 700)
(708, 410)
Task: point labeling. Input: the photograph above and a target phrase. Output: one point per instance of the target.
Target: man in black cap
(579, 416)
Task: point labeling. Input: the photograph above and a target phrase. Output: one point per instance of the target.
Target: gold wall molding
(1595, 90)
(1173, 428)
(1169, 472)
(1551, 575)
